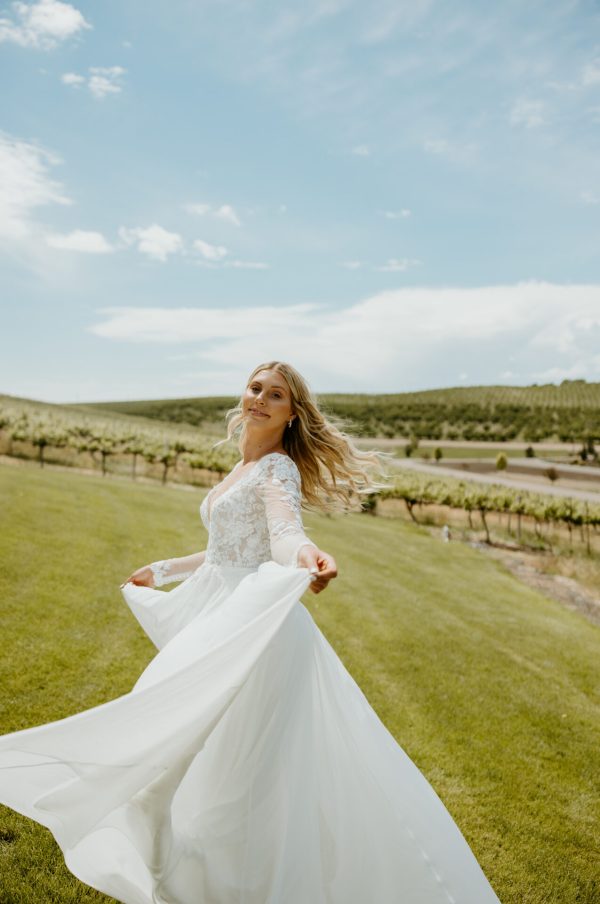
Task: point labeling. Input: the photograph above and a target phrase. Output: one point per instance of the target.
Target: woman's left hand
(323, 564)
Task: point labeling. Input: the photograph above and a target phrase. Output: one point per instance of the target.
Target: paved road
(518, 482)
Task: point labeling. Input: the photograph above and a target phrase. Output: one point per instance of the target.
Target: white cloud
(42, 25)
(164, 325)
(80, 240)
(401, 338)
(590, 74)
(153, 241)
(247, 265)
(71, 78)
(210, 252)
(361, 150)
(225, 212)
(588, 197)
(436, 145)
(351, 265)
(25, 185)
(396, 214)
(394, 265)
(101, 81)
(527, 113)
(198, 209)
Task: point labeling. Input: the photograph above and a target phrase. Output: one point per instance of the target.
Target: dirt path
(565, 590)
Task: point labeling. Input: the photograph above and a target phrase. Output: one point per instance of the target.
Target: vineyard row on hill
(103, 439)
(422, 490)
(443, 415)
(104, 436)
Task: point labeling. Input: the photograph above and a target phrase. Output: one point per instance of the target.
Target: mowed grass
(491, 688)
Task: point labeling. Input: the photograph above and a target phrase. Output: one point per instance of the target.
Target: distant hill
(569, 412)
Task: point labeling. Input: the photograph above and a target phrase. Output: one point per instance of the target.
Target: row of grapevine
(567, 413)
(544, 510)
(106, 437)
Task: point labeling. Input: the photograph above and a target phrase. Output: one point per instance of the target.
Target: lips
(260, 413)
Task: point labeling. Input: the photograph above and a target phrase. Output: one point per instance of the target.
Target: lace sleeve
(167, 571)
(281, 492)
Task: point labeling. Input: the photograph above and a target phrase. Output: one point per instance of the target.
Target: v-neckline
(210, 505)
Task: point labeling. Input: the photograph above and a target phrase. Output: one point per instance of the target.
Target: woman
(245, 765)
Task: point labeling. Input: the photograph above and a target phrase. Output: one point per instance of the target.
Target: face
(268, 401)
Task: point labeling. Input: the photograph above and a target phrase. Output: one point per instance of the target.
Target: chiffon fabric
(245, 766)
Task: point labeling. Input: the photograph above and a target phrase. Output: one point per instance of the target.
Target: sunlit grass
(491, 688)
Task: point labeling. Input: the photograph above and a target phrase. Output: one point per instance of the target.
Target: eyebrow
(272, 387)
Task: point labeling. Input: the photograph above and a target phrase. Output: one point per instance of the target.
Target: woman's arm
(282, 496)
(166, 571)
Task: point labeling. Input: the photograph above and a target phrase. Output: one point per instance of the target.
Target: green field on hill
(569, 412)
(491, 688)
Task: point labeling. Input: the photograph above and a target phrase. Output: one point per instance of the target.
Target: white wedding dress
(245, 766)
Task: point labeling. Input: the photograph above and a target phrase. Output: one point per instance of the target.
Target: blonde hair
(332, 468)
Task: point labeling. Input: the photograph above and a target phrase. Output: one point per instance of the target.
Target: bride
(245, 766)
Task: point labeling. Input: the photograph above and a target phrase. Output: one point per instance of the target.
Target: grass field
(491, 688)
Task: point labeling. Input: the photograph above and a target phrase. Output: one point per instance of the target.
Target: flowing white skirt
(245, 767)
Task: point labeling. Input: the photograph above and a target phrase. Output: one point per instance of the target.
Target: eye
(277, 395)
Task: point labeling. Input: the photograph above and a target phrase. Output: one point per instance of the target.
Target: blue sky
(391, 196)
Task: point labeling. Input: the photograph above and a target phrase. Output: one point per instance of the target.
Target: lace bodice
(258, 517)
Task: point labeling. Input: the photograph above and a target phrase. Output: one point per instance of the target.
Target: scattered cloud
(588, 197)
(247, 265)
(71, 78)
(25, 185)
(225, 212)
(153, 241)
(590, 74)
(394, 265)
(210, 252)
(396, 214)
(198, 209)
(102, 80)
(175, 325)
(80, 240)
(527, 113)
(525, 323)
(42, 25)
(351, 265)
(361, 150)
(436, 145)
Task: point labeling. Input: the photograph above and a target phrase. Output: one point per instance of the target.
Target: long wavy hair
(332, 468)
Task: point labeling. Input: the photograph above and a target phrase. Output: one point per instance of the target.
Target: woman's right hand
(143, 577)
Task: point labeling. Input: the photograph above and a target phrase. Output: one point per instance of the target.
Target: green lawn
(492, 689)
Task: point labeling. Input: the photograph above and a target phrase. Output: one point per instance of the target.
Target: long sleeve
(167, 571)
(282, 496)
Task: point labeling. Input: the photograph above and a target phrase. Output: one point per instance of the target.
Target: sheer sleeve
(281, 492)
(167, 571)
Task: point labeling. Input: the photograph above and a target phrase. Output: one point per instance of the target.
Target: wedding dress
(245, 766)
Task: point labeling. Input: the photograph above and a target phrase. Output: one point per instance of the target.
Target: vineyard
(566, 413)
(417, 491)
(66, 435)
(130, 444)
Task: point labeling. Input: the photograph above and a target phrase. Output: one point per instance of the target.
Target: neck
(258, 443)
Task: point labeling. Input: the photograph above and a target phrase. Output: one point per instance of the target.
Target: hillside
(490, 687)
(569, 412)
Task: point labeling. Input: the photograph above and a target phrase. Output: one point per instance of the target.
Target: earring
(290, 422)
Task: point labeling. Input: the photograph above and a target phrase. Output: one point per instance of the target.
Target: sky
(391, 196)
